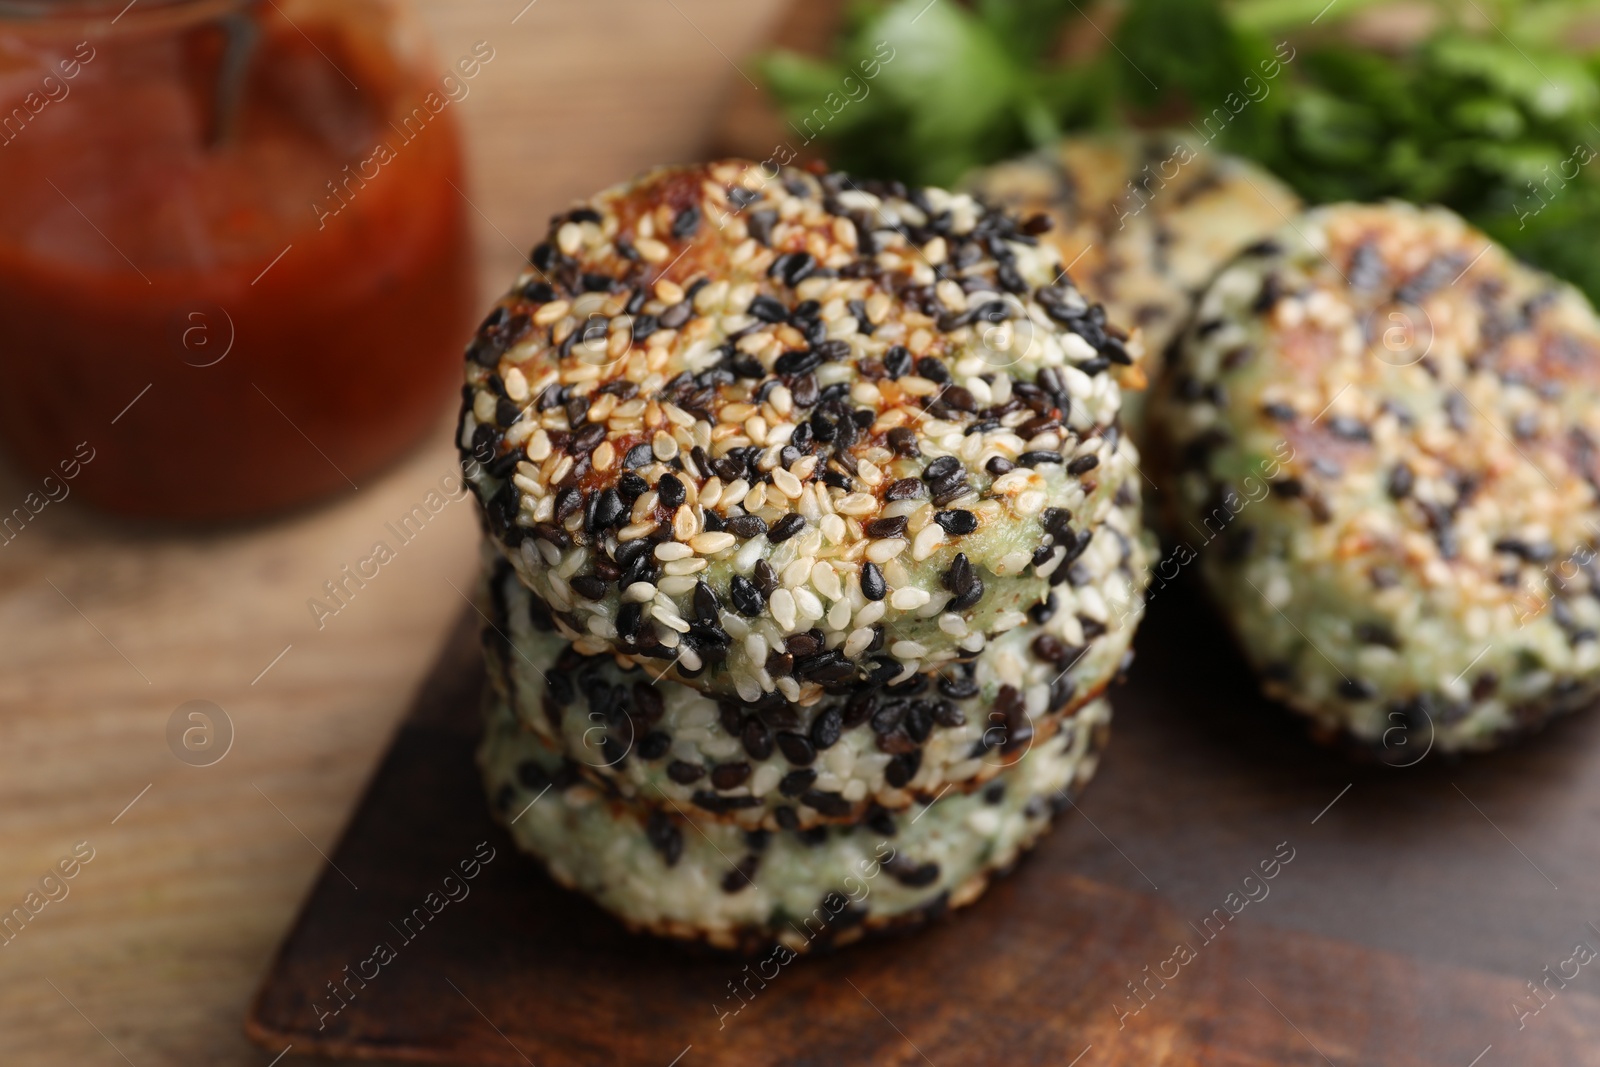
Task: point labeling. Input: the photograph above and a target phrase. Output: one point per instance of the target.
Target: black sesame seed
(956, 522)
(1280, 411)
(903, 489)
(786, 528)
(798, 361)
(883, 528)
(654, 745)
(589, 587)
(630, 617)
(915, 876)
(903, 440)
(999, 465)
(1357, 689)
(1042, 612)
(567, 501)
(797, 749)
(720, 805)
(793, 267)
(873, 587)
(730, 775)
(671, 490)
(897, 361)
(767, 309)
(826, 729)
(686, 222)
(664, 836)
(830, 804)
(601, 510)
(766, 579)
(900, 770)
(796, 782)
(746, 597)
(942, 468)
(745, 527)
(1376, 633)
(1401, 481)
(532, 776)
(757, 740)
(1083, 464)
(1350, 429)
(931, 368)
(706, 607)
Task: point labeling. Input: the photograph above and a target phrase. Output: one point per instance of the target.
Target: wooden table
(106, 629)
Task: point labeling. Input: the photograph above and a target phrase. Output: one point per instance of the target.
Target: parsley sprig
(1492, 110)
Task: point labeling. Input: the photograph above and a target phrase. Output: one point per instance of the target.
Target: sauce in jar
(234, 257)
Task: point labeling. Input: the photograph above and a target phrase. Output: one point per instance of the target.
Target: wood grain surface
(105, 629)
(1227, 893)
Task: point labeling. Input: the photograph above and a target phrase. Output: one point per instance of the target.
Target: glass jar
(235, 266)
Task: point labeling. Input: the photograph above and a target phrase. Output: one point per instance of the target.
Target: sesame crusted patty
(1143, 219)
(878, 413)
(848, 756)
(1389, 427)
(747, 889)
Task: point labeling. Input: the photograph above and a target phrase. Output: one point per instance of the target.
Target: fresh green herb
(1490, 112)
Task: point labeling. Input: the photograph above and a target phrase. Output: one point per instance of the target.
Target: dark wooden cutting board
(1403, 931)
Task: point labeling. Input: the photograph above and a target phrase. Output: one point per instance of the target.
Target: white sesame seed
(667, 618)
(807, 606)
(651, 250)
(667, 551)
(677, 584)
(857, 504)
(857, 642)
(887, 549)
(908, 599)
(782, 606)
(745, 559)
(787, 483)
(1012, 563)
(929, 539)
(538, 448)
(954, 625)
(712, 542)
(664, 446)
(765, 780)
(569, 238)
(908, 650)
(685, 524)
(870, 613)
(826, 580)
(639, 593)
(839, 616)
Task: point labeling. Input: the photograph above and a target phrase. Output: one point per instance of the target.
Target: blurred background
(110, 623)
(242, 245)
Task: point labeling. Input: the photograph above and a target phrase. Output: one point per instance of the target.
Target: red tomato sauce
(283, 312)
